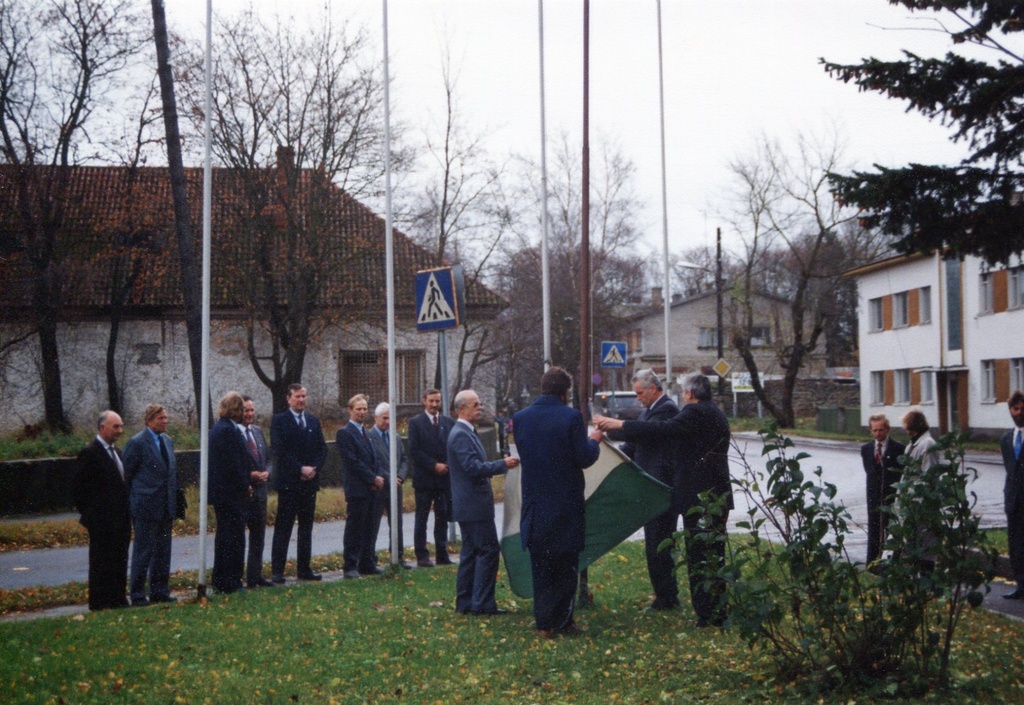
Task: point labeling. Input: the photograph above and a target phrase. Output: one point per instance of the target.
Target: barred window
(366, 372)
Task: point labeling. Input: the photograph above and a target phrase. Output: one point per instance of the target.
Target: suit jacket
(1013, 490)
(702, 463)
(384, 458)
(230, 464)
(890, 471)
(472, 497)
(101, 495)
(263, 464)
(428, 447)
(152, 485)
(658, 458)
(294, 447)
(358, 460)
(553, 446)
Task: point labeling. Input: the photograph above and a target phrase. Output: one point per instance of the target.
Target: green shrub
(823, 621)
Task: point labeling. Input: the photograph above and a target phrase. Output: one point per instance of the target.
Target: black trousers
(108, 566)
(555, 577)
(256, 522)
(293, 504)
(360, 537)
(228, 546)
(660, 564)
(707, 596)
(440, 499)
(878, 522)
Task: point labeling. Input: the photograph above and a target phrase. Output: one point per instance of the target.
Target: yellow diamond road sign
(721, 367)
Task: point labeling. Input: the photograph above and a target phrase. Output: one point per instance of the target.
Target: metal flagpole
(545, 266)
(204, 376)
(389, 250)
(585, 597)
(667, 298)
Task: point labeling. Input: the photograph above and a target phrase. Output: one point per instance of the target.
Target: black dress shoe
(262, 582)
(277, 579)
(1017, 594)
(376, 570)
(657, 606)
(424, 563)
(444, 560)
(488, 613)
(311, 576)
(163, 598)
(571, 629)
(351, 574)
(140, 602)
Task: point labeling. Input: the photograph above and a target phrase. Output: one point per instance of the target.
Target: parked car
(618, 405)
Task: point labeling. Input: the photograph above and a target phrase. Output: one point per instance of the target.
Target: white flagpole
(389, 246)
(204, 392)
(545, 271)
(667, 297)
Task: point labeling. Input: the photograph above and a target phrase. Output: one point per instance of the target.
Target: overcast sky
(734, 69)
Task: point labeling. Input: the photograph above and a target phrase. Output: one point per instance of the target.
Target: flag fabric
(620, 498)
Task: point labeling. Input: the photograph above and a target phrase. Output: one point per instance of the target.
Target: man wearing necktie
(657, 457)
(101, 495)
(380, 435)
(880, 460)
(229, 486)
(473, 508)
(363, 484)
(428, 450)
(256, 504)
(297, 442)
(152, 476)
(1013, 492)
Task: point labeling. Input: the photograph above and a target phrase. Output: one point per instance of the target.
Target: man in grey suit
(473, 508)
(380, 435)
(256, 504)
(1012, 447)
(152, 476)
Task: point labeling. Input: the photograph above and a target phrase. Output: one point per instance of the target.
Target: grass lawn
(398, 640)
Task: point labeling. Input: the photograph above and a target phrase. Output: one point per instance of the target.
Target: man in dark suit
(101, 495)
(880, 460)
(380, 434)
(152, 475)
(256, 504)
(473, 508)
(297, 442)
(428, 448)
(363, 483)
(229, 485)
(551, 438)
(702, 432)
(1012, 447)
(658, 457)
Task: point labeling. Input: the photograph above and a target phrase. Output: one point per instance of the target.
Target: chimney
(656, 299)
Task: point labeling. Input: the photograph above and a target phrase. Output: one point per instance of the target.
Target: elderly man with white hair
(380, 436)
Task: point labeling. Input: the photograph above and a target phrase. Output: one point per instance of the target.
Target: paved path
(840, 461)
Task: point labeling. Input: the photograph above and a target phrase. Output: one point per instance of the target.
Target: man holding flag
(551, 438)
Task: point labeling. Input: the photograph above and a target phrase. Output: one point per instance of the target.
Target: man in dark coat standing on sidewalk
(101, 495)
(880, 458)
(428, 449)
(551, 438)
(1012, 447)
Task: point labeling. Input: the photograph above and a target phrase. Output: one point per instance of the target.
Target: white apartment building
(944, 335)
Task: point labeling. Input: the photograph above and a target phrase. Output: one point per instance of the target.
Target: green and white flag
(620, 498)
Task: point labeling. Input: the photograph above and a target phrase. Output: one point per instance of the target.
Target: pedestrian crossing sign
(613, 354)
(439, 294)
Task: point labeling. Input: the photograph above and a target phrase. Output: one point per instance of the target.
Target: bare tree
(461, 215)
(619, 267)
(797, 240)
(297, 116)
(61, 67)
